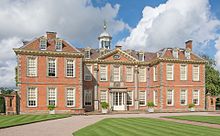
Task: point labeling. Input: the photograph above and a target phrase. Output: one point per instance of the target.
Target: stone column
(96, 101)
(136, 99)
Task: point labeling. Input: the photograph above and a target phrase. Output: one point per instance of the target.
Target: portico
(118, 99)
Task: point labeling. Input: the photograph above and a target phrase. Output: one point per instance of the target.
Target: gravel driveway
(66, 126)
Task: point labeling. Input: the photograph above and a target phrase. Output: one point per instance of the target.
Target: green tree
(212, 76)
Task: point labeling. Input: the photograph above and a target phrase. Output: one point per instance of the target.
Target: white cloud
(217, 55)
(8, 61)
(171, 24)
(74, 20)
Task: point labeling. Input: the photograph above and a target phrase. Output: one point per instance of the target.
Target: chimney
(51, 35)
(189, 44)
(118, 47)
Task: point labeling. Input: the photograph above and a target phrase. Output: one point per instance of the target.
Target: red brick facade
(116, 62)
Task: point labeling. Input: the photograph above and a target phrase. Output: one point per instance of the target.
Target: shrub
(150, 104)
(191, 105)
(104, 105)
(51, 107)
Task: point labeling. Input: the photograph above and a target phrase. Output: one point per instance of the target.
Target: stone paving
(66, 126)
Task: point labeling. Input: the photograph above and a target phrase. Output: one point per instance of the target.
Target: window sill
(52, 77)
(32, 76)
(70, 77)
(103, 80)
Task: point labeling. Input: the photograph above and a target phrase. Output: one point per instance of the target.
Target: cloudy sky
(146, 25)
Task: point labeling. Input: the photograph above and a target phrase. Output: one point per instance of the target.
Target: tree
(212, 77)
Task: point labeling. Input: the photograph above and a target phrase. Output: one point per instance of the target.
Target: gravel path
(66, 126)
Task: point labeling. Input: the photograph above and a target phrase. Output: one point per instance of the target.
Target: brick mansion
(51, 71)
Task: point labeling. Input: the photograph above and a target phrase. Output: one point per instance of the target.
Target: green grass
(14, 120)
(206, 119)
(144, 127)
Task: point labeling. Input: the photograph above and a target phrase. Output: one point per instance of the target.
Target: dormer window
(87, 54)
(175, 53)
(43, 43)
(141, 56)
(187, 54)
(58, 45)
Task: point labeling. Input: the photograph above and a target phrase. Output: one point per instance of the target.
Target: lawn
(13, 120)
(144, 127)
(207, 119)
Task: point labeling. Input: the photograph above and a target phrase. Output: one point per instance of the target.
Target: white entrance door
(119, 100)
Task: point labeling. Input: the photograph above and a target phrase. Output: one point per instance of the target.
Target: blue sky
(147, 25)
(131, 12)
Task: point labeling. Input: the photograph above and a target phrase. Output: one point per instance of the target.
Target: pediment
(117, 55)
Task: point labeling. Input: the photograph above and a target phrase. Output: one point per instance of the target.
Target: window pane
(52, 96)
(155, 98)
(170, 97)
(142, 74)
(169, 72)
(32, 66)
(196, 97)
(58, 45)
(142, 98)
(116, 73)
(129, 74)
(32, 97)
(103, 96)
(195, 73)
(70, 68)
(51, 67)
(130, 98)
(43, 44)
(103, 73)
(183, 97)
(70, 97)
(155, 73)
(183, 72)
(88, 97)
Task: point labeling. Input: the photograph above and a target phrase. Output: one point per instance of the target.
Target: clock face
(116, 56)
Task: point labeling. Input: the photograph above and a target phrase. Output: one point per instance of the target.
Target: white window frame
(172, 104)
(193, 73)
(187, 54)
(143, 99)
(155, 100)
(105, 74)
(183, 76)
(73, 69)
(132, 98)
(155, 73)
(102, 99)
(43, 42)
(59, 44)
(197, 96)
(114, 73)
(72, 97)
(88, 72)
(175, 53)
(129, 74)
(87, 94)
(29, 99)
(48, 95)
(186, 96)
(142, 74)
(170, 72)
(48, 66)
(141, 56)
(87, 54)
(34, 68)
